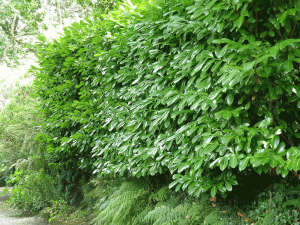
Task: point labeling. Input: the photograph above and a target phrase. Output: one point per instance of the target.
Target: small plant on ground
(32, 191)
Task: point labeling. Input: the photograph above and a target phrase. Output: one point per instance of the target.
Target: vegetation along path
(10, 216)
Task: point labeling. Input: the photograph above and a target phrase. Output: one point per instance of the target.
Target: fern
(213, 218)
(161, 195)
(124, 204)
(183, 214)
(164, 214)
(269, 219)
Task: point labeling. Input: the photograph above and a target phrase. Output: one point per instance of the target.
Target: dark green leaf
(229, 99)
(228, 186)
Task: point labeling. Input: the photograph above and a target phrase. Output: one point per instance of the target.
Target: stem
(256, 22)
(268, 33)
(293, 30)
(276, 124)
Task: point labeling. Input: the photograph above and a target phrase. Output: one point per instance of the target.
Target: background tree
(19, 22)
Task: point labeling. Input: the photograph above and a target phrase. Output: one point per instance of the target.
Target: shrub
(34, 191)
(199, 89)
(18, 128)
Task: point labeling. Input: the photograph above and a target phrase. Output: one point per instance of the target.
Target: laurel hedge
(200, 89)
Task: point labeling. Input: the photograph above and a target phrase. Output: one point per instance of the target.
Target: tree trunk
(12, 28)
(4, 53)
(16, 25)
(82, 13)
(58, 12)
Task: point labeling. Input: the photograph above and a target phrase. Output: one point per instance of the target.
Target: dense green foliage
(33, 191)
(128, 204)
(199, 89)
(18, 128)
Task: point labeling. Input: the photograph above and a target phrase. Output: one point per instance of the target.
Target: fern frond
(166, 215)
(269, 219)
(139, 219)
(212, 218)
(124, 204)
(161, 195)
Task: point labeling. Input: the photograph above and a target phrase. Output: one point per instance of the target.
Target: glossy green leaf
(238, 23)
(198, 67)
(223, 164)
(233, 161)
(271, 33)
(275, 141)
(222, 52)
(213, 191)
(296, 164)
(228, 186)
(249, 65)
(229, 99)
(227, 115)
(282, 17)
(243, 163)
(281, 147)
(288, 66)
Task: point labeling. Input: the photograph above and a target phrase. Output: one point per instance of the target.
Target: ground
(9, 216)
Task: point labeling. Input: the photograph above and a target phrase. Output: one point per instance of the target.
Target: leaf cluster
(199, 89)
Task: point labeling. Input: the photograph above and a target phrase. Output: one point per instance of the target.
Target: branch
(293, 30)
(280, 34)
(245, 22)
(256, 22)
(16, 40)
(268, 33)
(276, 124)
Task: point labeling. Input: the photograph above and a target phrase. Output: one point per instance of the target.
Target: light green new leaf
(286, 42)
(213, 191)
(281, 147)
(274, 50)
(227, 115)
(226, 139)
(229, 99)
(233, 161)
(228, 186)
(238, 23)
(233, 181)
(282, 17)
(271, 33)
(223, 163)
(243, 163)
(292, 11)
(265, 122)
(249, 65)
(297, 52)
(173, 183)
(273, 162)
(288, 65)
(221, 41)
(275, 142)
(178, 187)
(214, 94)
(296, 164)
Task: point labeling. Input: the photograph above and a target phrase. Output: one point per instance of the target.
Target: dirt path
(10, 216)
